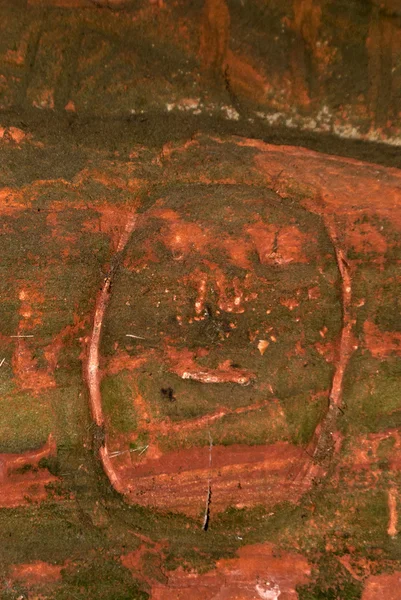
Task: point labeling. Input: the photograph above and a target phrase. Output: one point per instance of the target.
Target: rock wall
(317, 65)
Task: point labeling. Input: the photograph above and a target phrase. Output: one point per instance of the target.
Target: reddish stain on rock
(36, 573)
(365, 454)
(215, 35)
(178, 480)
(13, 134)
(122, 360)
(52, 351)
(31, 299)
(26, 371)
(380, 587)
(277, 246)
(244, 79)
(19, 485)
(348, 185)
(111, 221)
(259, 572)
(182, 237)
(135, 561)
(381, 343)
(11, 202)
(25, 366)
(218, 59)
(365, 238)
(306, 25)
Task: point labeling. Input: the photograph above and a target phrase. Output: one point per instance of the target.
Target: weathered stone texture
(320, 65)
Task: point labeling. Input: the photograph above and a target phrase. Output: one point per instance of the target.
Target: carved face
(231, 292)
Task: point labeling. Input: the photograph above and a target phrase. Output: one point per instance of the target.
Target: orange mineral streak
(133, 560)
(36, 573)
(108, 219)
(14, 461)
(263, 237)
(182, 362)
(258, 572)
(382, 587)
(25, 368)
(142, 409)
(17, 56)
(240, 476)
(328, 350)
(21, 489)
(70, 106)
(307, 17)
(347, 561)
(18, 488)
(381, 343)
(182, 237)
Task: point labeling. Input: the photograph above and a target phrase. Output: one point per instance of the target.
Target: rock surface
(314, 65)
(199, 316)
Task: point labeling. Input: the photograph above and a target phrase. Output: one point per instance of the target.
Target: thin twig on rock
(21, 336)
